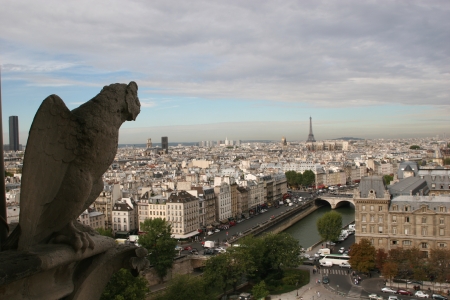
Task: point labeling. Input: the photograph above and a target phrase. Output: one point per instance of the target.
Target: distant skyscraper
(14, 133)
(310, 135)
(165, 144)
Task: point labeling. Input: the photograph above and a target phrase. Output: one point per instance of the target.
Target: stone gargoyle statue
(66, 155)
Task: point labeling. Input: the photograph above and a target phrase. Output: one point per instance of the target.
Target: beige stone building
(151, 207)
(182, 213)
(404, 221)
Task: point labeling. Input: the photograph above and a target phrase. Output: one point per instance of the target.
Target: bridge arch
(336, 201)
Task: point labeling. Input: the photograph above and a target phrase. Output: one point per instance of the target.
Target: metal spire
(310, 135)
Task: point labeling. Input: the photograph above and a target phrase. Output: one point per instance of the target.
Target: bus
(335, 259)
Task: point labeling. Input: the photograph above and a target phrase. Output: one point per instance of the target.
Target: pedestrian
(318, 294)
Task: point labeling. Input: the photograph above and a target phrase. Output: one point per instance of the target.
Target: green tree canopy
(260, 290)
(294, 179)
(388, 179)
(271, 253)
(414, 147)
(362, 256)
(447, 161)
(308, 178)
(226, 269)
(184, 287)
(159, 243)
(105, 232)
(124, 286)
(330, 226)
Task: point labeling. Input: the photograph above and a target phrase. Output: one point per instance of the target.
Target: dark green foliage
(388, 179)
(184, 287)
(124, 286)
(414, 147)
(447, 161)
(271, 253)
(308, 178)
(106, 232)
(329, 226)
(260, 290)
(160, 245)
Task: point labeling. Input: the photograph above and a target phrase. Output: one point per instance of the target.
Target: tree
(271, 253)
(388, 179)
(225, 270)
(439, 263)
(380, 258)
(362, 256)
(414, 147)
(389, 270)
(105, 232)
(308, 178)
(160, 245)
(260, 290)
(124, 286)
(186, 287)
(447, 161)
(294, 179)
(330, 225)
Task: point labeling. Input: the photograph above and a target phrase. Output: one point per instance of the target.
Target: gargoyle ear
(132, 100)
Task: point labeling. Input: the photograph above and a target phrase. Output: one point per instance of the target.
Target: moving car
(404, 292)
(388, 290)
(208, 251)
(210, 232)
(392, 298)
(375, 297)
(187, 248)
(438, 297)
(325, 279)
(421, 294)
(341, 250)
(345, 265)
(326, 264)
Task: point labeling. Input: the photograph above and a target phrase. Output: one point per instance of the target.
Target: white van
(326, 263)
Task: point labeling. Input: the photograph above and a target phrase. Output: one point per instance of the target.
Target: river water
(305, 230)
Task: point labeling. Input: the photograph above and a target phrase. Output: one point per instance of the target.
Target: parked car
(404, 292)
(345, 265)
(220, 250)
(208, 252)
(217, 230)
(325, 279)
(421, 294)
(194, 251)
(375, 297)
(438, 297)
(210, 232)
(178, 248)
(245, 296)
(392, 298)
(388, 290)
(187, 248)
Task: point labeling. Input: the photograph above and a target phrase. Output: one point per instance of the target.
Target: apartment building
(182, 213)
(151, 207)
(242, 201)
(123, 216)
(438, 180)
(223, 204)
(405, 221)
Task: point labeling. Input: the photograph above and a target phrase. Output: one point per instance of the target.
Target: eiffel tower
(311, 138)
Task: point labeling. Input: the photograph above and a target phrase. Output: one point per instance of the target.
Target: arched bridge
(337, 200)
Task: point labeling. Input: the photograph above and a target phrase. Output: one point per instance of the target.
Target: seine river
(305, 230)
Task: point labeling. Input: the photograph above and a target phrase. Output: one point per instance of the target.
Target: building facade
(406, 221)
(14, 133)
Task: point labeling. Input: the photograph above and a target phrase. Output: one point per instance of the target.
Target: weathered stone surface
(66, 155)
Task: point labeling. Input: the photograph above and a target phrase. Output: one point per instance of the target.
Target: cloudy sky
(208, 70)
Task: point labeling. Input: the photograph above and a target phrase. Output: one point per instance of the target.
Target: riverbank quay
(280, 222)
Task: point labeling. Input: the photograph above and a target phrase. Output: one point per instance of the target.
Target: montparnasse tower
(311, 138)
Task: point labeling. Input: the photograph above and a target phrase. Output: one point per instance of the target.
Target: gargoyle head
(132, 101)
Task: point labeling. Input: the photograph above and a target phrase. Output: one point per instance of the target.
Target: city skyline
(249, 71)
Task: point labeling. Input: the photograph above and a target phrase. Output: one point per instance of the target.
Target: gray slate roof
(374, 183)
(409, 185)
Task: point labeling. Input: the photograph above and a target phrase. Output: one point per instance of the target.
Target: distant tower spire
(310, 135)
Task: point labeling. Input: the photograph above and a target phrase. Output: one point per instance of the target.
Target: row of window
(406, 230)
(119, 227)
(424, 209)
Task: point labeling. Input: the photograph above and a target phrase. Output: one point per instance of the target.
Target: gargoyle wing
(51, 147)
